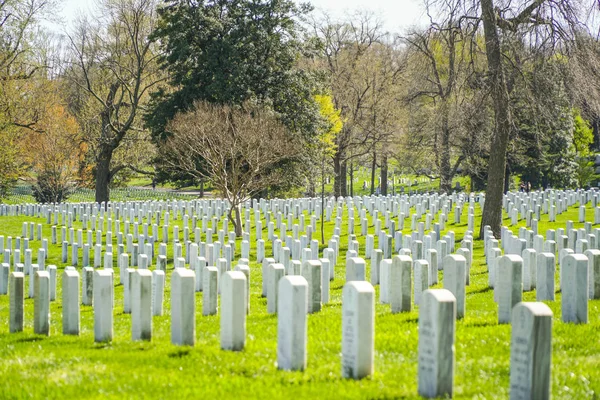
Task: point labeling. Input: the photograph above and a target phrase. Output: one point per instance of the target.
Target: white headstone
(233, 310)
(355, 269)
(437, 332)
(276, 272)
(575, 289)
(400, 285)
(358, 329)
(16, 293)
(531, 352)
(210, 283)
(183, 307)
(103, 305)
(311, 270)
(546, 269)
(292, 323)
(70, 302)
(454, 280)
(141, 305)
(510, 286)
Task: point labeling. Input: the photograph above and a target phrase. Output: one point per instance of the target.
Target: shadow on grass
(103, 345)
(481, 324)
(180, 353)
(30, 339)
(483, 290)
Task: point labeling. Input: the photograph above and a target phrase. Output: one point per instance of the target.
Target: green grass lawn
(60, 366)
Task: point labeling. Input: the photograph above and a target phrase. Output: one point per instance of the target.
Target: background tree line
(488, 89)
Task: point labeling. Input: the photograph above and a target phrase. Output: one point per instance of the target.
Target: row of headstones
(531, 323)
(209, 207)
(509, 275)
(99, 235)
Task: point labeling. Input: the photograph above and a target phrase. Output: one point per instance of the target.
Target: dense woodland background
(269, 98)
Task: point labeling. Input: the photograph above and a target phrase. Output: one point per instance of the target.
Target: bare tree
(363, 70)
(442, 60)
(542, 24)
(115, 64)
(241, 151)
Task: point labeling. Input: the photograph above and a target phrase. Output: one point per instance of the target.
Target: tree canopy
(230, 52)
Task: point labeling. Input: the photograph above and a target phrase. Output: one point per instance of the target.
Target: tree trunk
(103, 175)
(492, 213)
(445, 168)
(373, 167)
(201, 188)
(323, 201)
(343, 179)
(384, 174)
(351, 179)
(237, 220)
(339, 177)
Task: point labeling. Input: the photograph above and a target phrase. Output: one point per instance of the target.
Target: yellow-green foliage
(334, 122)
(583, 135)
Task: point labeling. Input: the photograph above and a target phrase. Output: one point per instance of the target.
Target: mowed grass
(60, 366)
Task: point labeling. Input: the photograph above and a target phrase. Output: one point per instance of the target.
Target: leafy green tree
(583, 135)
(230, 52)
